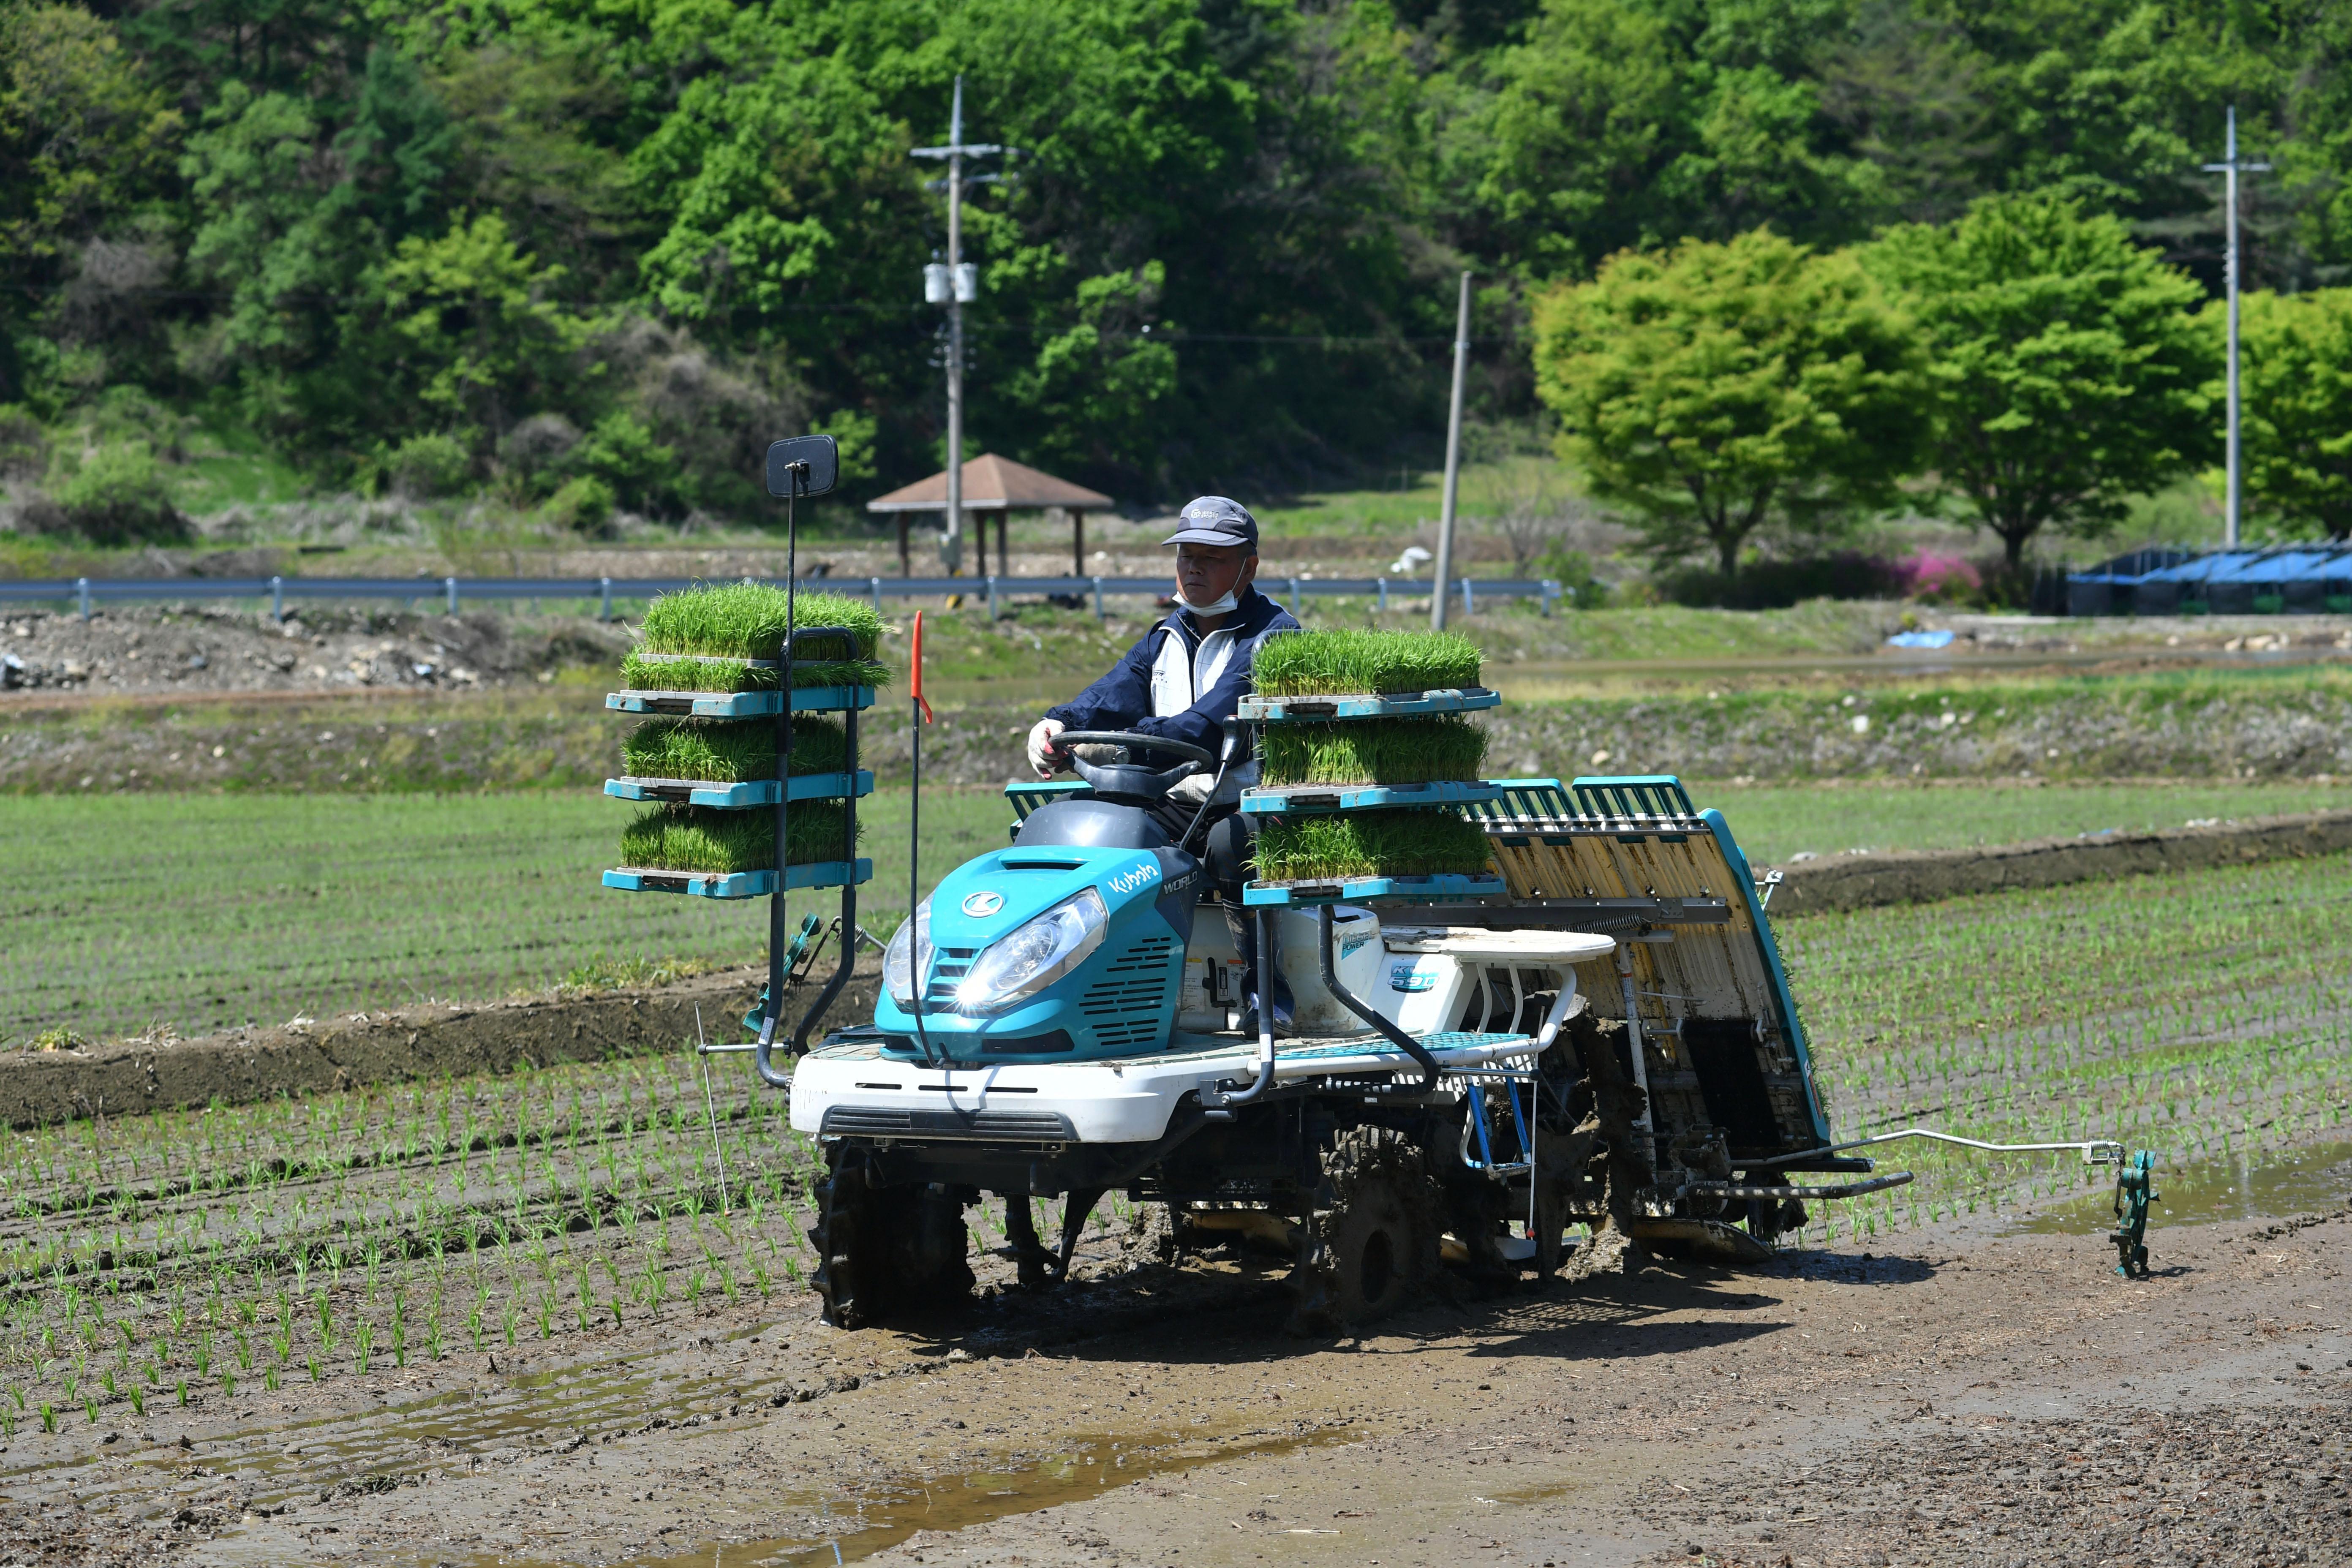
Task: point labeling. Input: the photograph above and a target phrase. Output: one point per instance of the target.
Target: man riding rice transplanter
(1184, 680)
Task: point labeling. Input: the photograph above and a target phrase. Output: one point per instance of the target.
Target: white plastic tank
(1356, 952)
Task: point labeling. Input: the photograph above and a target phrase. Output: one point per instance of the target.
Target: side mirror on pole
(804, 465)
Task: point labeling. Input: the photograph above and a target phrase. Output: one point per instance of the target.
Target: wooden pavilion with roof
(999, 485)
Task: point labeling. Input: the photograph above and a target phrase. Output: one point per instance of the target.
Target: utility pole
(955, 284)
(2230, 168)
(1453, 460)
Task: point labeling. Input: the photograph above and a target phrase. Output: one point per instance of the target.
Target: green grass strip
(696, 838)
(1372, 750)
(746, 620)
(1370, 844)
(732, 751)
(1341, 661)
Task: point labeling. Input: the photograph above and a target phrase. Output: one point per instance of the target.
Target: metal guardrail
(85, 592)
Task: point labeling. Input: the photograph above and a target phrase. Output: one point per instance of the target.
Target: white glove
(1193, 788)
(1042, 748)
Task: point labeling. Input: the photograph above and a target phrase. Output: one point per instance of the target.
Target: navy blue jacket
(1162, 686)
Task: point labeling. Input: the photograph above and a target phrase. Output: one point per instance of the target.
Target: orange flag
(918, 690)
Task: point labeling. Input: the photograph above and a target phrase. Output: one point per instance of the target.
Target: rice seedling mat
(740, 704)
(738, 884)
(1443, 889)
(1275, 799)
(739, 796)
(1259, 709)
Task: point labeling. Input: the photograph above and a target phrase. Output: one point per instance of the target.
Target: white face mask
(1224, 606)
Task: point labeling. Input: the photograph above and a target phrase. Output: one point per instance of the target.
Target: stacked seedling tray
(1366, 762)
(724, 698)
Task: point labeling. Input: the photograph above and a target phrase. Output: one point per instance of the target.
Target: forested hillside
(607, 251)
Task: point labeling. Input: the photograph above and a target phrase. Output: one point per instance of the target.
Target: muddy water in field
(2263, 1185)
(1087, 1466)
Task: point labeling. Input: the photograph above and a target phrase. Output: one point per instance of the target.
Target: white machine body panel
(1124, 1100)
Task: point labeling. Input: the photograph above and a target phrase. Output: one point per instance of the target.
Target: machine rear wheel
(1372, 1245)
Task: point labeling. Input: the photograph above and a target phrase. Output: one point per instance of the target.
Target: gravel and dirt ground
(1966, 1396)
(150, 651)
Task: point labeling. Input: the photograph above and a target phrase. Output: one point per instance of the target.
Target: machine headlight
(1033, 955)
(897, 973)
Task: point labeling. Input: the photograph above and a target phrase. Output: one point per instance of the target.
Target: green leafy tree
(2296, 391)
(1244, 148)
(84, 136)
(1631, 123)
(1098, 383)
(539, 123)
(483, 337)
(2067, 369)
(1716, 388)
(297, 203)
(86, 148)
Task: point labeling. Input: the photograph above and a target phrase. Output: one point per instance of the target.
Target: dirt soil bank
(1859, 881)
(126, 1077)
(1966, 1398)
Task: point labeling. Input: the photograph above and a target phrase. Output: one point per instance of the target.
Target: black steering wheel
(1132, 781)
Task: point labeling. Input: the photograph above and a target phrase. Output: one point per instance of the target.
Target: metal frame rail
(85, 592)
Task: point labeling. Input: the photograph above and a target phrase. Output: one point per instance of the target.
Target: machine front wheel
(885, 1249)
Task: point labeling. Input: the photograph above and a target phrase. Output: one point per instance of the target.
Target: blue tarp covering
(2305, 578)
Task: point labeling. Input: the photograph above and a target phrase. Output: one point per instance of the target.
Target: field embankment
(434, 1041)
(1857, 881)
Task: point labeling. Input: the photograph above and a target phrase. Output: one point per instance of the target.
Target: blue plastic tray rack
(1448, 889)
(737, 797)
(740, 704)
(738, 884)
(1397, 705)
(1273, 799)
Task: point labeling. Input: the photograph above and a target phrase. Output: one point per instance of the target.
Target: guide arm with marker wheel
(2135, 1189)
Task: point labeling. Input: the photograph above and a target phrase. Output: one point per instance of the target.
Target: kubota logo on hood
(1128, 881)
(980, 906)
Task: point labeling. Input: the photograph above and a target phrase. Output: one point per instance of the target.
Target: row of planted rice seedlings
(323, 1238)
(2185, 1014)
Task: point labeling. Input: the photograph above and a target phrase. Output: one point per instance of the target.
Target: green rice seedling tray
(1260, 710)
(738, 884)
(740, 704)
(1370, 889)
(1272, 800)
(737, 797)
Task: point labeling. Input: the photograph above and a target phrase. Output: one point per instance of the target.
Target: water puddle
(881, 1517)
(2267, 1184)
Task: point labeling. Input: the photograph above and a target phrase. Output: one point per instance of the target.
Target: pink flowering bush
(1939, 579)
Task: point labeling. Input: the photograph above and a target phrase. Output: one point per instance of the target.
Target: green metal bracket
(811, 928)
(2135, 1189)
